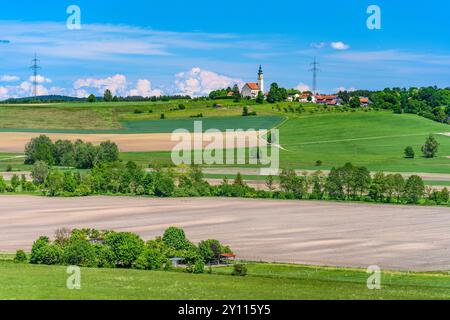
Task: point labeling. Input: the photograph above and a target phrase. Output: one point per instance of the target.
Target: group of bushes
(109, 249)
(17, 184)
(79, 154)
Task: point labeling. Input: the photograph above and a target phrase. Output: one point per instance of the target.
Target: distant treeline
(91, 98)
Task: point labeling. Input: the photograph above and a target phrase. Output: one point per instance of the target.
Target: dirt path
(318, 233)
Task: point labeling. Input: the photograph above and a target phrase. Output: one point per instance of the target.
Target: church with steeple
(251, 89)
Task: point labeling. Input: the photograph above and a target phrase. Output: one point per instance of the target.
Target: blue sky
(156, 47)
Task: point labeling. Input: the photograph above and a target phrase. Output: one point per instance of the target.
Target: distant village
(251, 90)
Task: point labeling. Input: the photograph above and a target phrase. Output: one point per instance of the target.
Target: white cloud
(351, 89)
(144, 89)
(340, 45)
(8, 78)
(198, 82)
(117, 84)
(81, 93)
(302, 87)
(3, 93)
(318, 45)
(40, 79)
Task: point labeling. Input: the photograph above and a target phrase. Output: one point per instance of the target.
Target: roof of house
(230, 94)
(364, 100)
(252, 85)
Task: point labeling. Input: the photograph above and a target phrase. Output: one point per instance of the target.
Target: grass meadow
(264, 281)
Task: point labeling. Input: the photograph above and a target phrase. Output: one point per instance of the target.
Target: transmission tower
(315, 70)
(35, 67)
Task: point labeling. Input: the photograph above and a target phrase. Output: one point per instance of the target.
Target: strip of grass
(437, 183)
(264, 281)
(170, 125)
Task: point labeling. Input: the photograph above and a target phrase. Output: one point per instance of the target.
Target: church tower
(261, 79)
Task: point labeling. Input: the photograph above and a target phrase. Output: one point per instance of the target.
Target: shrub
(9, 168)
(104, 257)
(163, 116)
(3, 185)
(39, 172)
(79, 253)
(197, 267)
(150, 259)
(176, 238)
(62, 236)
(210, 250)
(319, 163)
(52, 254)
(126, 247)
(239, 270)
(37, 251)
(165, 187)
(138, 111)
(20, 257)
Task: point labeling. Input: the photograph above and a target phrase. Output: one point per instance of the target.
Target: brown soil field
(302, 232)
(15, 142)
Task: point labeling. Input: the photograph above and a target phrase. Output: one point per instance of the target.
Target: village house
(252, 89)
(330, 100)
(364, 101)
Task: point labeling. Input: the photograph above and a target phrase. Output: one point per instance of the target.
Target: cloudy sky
(191, 47)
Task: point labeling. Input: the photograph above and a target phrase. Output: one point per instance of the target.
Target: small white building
(251, 89)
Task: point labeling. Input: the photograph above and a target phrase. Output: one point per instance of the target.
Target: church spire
(261, 79)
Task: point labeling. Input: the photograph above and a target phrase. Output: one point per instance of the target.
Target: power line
(314, 70)
(35, 67)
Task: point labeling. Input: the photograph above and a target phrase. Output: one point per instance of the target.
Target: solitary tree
(107, 95)
(430, 148)
(91, 98)
(409, 153)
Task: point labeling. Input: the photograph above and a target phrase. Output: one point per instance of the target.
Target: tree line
(346, 183)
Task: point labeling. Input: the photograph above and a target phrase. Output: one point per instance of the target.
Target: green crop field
(376, 140)
(264, 281)
(101, 116)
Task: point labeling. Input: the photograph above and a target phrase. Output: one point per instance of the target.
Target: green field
(109, 116)
(264, 281)
(375, 140)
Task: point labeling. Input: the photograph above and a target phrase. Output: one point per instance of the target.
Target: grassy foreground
(264, 281)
